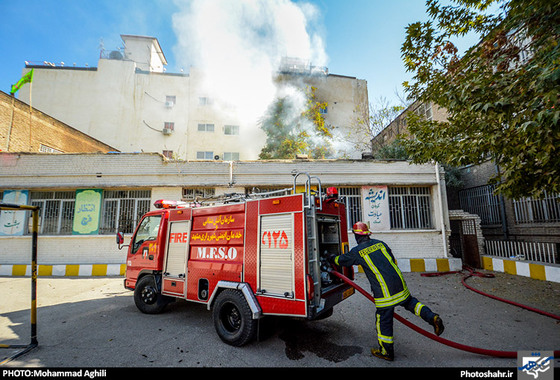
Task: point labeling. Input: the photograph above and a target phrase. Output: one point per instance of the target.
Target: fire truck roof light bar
(163, 203)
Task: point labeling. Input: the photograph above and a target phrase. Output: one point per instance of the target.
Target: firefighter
(388, 287)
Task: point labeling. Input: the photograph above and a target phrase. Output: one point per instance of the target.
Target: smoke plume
(239, 44)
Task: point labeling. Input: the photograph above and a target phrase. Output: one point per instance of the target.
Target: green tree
(501, 96)
(394, 150)
(292, 129)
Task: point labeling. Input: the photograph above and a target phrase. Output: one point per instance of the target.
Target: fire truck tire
(147, 297)
(233, 319)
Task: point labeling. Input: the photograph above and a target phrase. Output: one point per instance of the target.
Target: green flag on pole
(27, 78)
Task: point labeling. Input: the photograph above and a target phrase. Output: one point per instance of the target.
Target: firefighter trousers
(384, 322)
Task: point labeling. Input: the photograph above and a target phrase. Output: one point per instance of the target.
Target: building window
(56, 211)
(231, 156)
(168, 154)
(543, 210)
(168, 125)
(122, 209)
(204, 101)
(409, 207)
(204, 155)
(424, 110)
(206, 127)
(170, 100)
(231, 129)
(198, 193)
(48, 149)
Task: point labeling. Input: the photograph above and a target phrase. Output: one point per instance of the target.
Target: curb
(89, 270)
(70, 270)
(536, 271)
(428, 265)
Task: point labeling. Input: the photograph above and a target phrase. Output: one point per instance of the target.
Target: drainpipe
(442, 214)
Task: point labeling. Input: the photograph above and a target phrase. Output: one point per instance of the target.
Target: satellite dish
(115, 55)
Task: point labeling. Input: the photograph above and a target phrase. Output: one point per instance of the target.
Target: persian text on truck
(246, 258)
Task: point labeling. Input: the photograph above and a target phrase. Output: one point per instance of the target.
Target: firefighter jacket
(377, 260)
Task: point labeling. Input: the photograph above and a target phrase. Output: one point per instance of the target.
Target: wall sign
(376, 207)
(87, 211)
(13, 222)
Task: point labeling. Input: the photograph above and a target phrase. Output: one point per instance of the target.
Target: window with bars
(56, 211)
(353, 200)
(122, 209)
(410, 207)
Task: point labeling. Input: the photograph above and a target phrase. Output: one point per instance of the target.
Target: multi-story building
(129, 101)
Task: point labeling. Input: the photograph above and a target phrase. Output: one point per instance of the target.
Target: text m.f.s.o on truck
(246, 258)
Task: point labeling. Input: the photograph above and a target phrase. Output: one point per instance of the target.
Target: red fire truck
(246, 258)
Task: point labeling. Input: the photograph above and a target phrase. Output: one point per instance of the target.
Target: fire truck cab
(249, 257)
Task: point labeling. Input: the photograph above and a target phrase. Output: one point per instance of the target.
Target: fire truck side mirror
(120, 240)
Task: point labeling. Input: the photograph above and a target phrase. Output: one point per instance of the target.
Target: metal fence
(543, 210)
(523, 250)
(482, 201)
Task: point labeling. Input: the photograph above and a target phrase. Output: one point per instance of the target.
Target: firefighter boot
(438, 325)
(381, 352)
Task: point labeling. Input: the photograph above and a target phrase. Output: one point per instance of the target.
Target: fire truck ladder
(311, 228)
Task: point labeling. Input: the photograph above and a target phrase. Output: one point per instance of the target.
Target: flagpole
(30, 112)
(11, 124)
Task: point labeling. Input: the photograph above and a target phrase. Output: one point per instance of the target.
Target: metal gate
(464, 242)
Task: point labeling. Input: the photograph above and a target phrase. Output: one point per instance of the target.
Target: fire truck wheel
(147, 297)
(232, 318)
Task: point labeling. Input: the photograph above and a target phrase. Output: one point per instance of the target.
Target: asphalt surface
(93, 323)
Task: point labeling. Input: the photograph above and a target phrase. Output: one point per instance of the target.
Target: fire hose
(460, 346)
(472, 273)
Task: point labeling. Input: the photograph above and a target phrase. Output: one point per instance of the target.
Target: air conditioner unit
(167, 131)
(169, 104)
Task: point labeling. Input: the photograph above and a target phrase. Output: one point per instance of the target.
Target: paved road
(93, 322)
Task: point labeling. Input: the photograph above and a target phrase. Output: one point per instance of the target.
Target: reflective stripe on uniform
(392, 300)
(418, 308)
(376, 272)
(381, 337)
(387, 299)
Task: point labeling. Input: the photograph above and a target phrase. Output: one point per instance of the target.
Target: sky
(358, 38)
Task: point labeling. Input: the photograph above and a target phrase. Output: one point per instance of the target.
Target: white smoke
(239, 44)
